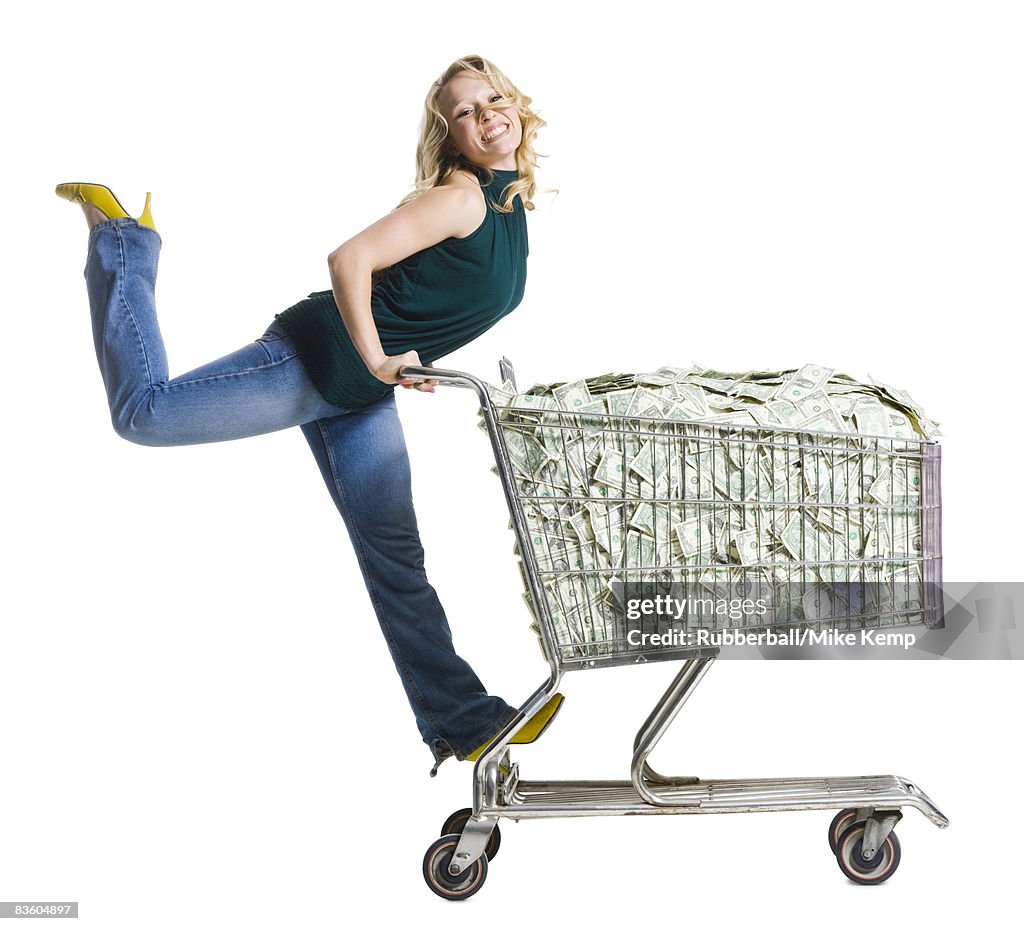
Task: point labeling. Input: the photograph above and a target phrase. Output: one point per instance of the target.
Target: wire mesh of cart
(642, 539)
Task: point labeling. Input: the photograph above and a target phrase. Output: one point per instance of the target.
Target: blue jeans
(361, 454)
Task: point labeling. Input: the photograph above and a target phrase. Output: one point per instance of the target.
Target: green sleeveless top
(434, 302)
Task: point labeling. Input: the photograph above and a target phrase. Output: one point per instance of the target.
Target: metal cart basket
(796, 528)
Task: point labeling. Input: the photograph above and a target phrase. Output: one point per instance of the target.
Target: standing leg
(364, 461)
(260, 388)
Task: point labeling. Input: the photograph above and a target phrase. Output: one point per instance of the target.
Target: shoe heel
(146, 217)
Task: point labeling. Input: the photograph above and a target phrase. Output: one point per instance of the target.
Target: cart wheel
(866, 872)
(435, 870)
(457, 821)
(839, 824)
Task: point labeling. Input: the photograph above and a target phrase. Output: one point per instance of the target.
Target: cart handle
(446, 377)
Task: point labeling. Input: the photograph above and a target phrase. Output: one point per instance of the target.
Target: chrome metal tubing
(931, 497)
(658, 721)
(446, 377)
(572, 799)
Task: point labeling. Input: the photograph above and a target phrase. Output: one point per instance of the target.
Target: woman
(435, 273)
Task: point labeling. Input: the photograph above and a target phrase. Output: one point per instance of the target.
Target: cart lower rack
(616, 508)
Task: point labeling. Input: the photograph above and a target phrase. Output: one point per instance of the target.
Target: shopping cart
(858, 518)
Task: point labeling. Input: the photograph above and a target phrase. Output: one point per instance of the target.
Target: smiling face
(484, 127)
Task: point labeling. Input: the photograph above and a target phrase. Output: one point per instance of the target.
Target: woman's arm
(440, 213)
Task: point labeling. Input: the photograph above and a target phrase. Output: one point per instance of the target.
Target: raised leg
(258, 389)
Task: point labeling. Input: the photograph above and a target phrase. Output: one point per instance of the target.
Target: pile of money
(813, 397)
(799, 488)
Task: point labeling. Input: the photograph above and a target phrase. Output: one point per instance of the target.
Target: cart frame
(872, 804)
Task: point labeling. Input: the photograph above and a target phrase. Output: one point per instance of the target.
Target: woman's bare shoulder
(463, 188)
(462, 178)
(460, 187)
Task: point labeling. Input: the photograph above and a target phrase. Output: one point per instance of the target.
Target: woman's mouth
(494, 133)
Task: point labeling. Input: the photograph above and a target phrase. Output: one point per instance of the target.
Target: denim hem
(122, 221)
(441, 750)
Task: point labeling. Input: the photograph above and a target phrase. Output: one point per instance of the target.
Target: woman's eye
(495, 97)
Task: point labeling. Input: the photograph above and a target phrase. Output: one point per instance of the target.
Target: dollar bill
(573, 396)
(806, 381)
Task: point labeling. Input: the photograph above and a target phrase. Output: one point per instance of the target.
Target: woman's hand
(389, 366)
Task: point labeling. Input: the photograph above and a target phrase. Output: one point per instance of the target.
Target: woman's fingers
(420, 385)
(412, 358)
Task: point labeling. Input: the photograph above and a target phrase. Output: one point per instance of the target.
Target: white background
(199, 720)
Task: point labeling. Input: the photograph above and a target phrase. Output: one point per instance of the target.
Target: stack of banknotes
(801, 488)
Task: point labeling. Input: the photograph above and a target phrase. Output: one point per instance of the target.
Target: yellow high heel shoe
(103, 199)
(533, 728)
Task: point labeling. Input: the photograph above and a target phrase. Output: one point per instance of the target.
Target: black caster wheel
(457, 821)
(435, 870)
(839, 824)
(866, 872)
